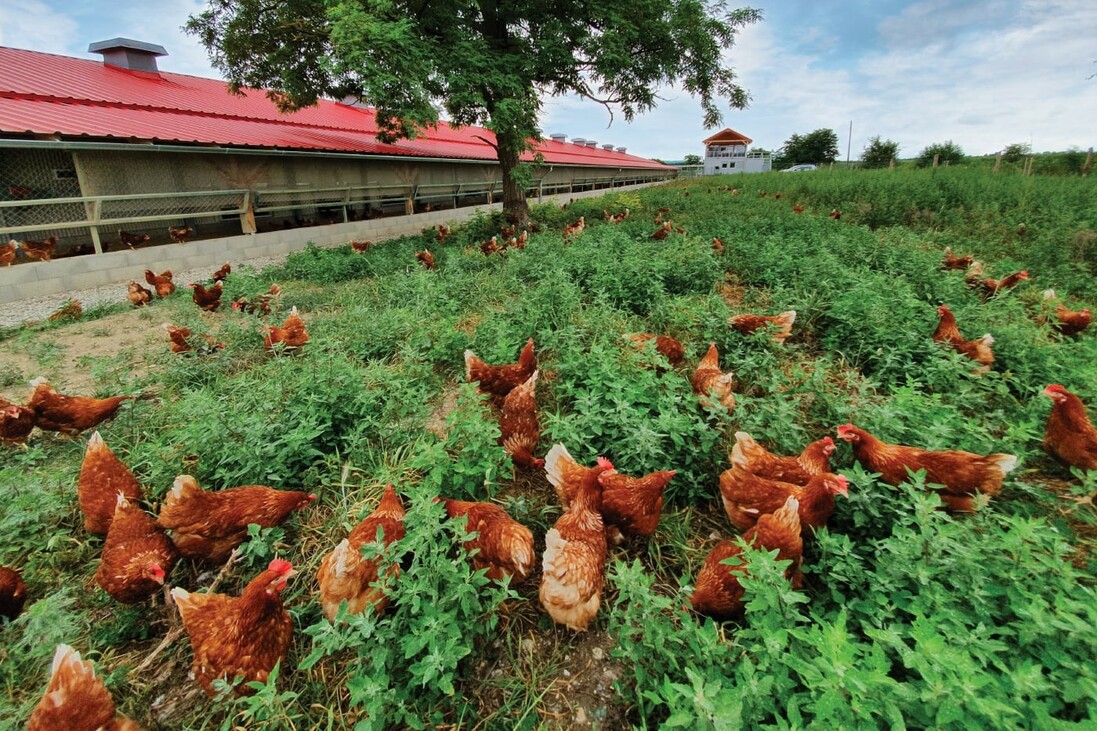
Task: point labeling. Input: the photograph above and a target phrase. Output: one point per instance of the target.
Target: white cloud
(33, 24)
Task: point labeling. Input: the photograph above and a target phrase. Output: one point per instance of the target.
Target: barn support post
(409, 201)
(346, 201)
(91, 208)
(247, 215)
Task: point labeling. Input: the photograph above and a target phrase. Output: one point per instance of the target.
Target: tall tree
(879, 153)
(486, 63)
(818, 147)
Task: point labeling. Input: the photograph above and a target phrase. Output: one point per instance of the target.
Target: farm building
(727, 152)
(90, 148)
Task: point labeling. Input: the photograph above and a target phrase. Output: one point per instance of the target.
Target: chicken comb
(845, 429)
(827, 441)
(1054, 388)
(280, 566)
(605, 463)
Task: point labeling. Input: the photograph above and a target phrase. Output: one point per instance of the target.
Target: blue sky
(983, 73)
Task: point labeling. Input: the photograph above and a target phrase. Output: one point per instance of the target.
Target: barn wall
(113, 270)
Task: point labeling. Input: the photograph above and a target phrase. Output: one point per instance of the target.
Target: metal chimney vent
(558, 137)
(579, 140)
(622, 149)
(591, 143)
(607, 147)
(129, 54)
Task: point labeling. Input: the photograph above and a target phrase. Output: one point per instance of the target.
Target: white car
(800, 168)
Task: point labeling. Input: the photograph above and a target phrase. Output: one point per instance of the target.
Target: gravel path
(39, 308)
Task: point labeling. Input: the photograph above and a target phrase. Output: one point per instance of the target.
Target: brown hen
(503, 546)
(948, 333)
(665, 345)
(963, 474)
(519, 426)
(291, 335)
(498, 380)
(746, 497)
(208, 525)
(345, 575)
(75, 699)
(138, 295)
(13, 593)
(718, 592)
(756, 459)
(137, 555)
(748, 324)
(69, 414)
(1069, 434)
(16, 422)
(632, 506)
(574, 564)
(102, 477)
(238, 637)
(206, 299)
(710, 382)
(160, 282)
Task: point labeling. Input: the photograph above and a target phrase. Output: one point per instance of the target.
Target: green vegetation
(879, 153)
(818, 147)
(946, 153)
(909, 618)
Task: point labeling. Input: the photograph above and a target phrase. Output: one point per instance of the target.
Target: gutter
(219, 150)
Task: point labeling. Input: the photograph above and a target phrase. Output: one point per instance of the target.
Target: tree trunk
(515, 206)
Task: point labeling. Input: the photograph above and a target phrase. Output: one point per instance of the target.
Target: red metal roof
(46, 94)
(727, 134)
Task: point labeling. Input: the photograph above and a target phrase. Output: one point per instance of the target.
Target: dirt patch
(72, 356)
(436, 422)
(732, 291)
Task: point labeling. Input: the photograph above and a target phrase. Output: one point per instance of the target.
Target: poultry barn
(108, 156)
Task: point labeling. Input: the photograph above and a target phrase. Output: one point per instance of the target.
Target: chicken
(222, 273)
(747, 324)
(490, 246)
(520, 241)
(1068, 322)
(132, 240)
(576, 229)
(574, 563)
(360, 247)
(16, 422)
(138, 295)
(426, 259)
(243, 636)
(76, 700)
(137, 555)
(992, 287)
(503, 546)
(948, 333)
(160, 282)
(718, 592)
(178, 234)
(69, 414)
(717, 245)
(40, 250)
(665, 345)
(519, 427)
(632, 506)
(7, 252)
(747, 496)
(71, 310)
(955, 262)
(565, 474)
(963, 474)
(1069, 435)
(13, 593)
(709, 381)
(206, 299)
(444, 232)
(663, 231)
(499, 380)
(797, 208)
(756, 459)
(179, 340)
(292, 334)
(973, 277)
(208, 525)
(260, 304)
(835, 214)
(103, 477)
(345, 575)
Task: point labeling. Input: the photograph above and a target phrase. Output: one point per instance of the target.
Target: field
(910, 617)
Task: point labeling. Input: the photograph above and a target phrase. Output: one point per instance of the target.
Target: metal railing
(108, 212)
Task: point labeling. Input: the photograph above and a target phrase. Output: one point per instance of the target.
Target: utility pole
(849, 141)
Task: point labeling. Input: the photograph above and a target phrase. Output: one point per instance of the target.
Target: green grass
(910, 618)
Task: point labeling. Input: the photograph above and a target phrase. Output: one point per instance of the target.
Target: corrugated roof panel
(43, 93)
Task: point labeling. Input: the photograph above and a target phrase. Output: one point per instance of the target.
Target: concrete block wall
(38, 279)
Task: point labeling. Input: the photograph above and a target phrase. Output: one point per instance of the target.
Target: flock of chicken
(46, 249)
(771, 499)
